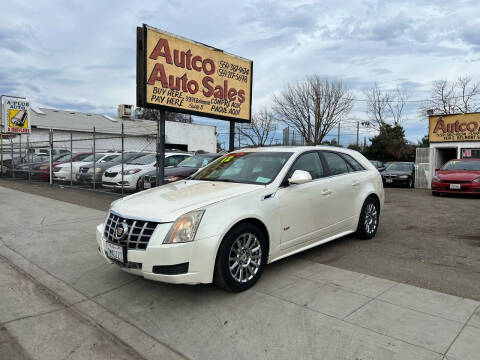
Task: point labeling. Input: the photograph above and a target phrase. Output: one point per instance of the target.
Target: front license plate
(389, 181)
(147, 185)
(114, 251)
(455, 186)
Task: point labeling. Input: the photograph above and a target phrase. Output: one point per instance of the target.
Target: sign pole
(161, 148)
(231, 146)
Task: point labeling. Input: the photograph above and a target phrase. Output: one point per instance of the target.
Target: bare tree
(154, 114)
(259, 132)
(385, 107)
(313, 107)
(451, 97)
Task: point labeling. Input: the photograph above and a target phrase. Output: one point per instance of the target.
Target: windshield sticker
(262, 180)
(227, 159)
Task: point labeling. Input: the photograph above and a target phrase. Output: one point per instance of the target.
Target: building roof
(43, 118)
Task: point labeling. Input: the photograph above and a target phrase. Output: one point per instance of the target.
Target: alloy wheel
(245, 257)
(371, 218)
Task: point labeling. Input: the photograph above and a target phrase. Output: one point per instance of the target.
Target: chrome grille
(84, 170)
(387, 176)
(138, 235)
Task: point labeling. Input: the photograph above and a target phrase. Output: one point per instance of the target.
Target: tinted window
(400, 167)
(110, 158)
(174, 160)
(308, 162)
(354, 163)
(335, 163)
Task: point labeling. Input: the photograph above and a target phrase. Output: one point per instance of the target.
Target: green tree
(425, 142)
(390, 144)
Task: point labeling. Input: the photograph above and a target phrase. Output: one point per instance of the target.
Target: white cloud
(81, 54)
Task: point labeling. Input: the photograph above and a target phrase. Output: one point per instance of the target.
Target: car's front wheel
(241, 258)
(369, 218)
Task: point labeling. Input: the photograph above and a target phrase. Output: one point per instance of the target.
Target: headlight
(435, 178)
(477, 180)
(98, 170)
(403, 177)
(185, 228)
(131, 171)
(172, 178)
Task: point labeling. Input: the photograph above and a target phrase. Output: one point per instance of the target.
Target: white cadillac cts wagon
(246, 209)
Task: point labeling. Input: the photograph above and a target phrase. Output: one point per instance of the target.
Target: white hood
(166, 203)
(129, 166)
(75, 164)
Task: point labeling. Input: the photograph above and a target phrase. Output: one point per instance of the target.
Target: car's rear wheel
(369, 218)
(241, 258)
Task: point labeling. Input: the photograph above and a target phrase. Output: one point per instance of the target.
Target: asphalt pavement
(70, 300)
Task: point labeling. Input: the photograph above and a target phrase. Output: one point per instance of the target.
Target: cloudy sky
(80, 55)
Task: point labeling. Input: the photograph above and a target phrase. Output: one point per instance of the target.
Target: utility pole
(358, 130)
(338, 135)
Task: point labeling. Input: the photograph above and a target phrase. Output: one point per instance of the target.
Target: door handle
(326, 192)
(355, 183)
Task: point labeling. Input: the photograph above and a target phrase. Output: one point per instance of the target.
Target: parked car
(41, 171)
(135, 169)
(379, 165)
(183, 170)
(249, 208)
(63, 172)
(399, 173)
(86, 173)
(457, 176)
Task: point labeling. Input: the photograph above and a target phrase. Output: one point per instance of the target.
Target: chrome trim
(140, 219)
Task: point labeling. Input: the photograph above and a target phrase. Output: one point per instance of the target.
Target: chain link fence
(110, 160)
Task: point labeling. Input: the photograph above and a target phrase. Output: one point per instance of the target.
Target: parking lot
(350, 299)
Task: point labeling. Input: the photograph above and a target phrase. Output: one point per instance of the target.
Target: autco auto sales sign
(457, 127)
(16, 116)
(184, 76)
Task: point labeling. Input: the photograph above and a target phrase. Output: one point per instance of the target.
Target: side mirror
(300, 177)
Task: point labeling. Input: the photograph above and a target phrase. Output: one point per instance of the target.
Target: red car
(41, 171)
(460, 176)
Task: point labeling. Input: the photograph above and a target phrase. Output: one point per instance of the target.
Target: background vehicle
(62, 172)
(379, 165)
(86, 173)
(457, 176)
(41, 171)
(183, 170)
(249, 208)
(135, 169)
(399, 173)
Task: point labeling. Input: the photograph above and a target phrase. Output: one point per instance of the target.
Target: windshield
(400, 167)
(197, 161)
(62, 157)
(90, 157)
(462, 165)
(144, 160)
(248, 167)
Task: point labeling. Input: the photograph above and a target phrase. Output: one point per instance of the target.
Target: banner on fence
(180, 75)
(16, 116)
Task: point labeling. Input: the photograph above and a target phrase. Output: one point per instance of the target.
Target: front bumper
(465, 188)
(199, 254)
(63, 175)
(88, 178)
(116, 182)
(394, 182)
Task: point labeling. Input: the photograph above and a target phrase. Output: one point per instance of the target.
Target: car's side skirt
(308, 246)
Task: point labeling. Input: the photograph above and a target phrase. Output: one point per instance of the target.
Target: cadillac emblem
(121, 230)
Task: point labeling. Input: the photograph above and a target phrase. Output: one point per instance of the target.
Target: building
(75, 130)
(454, 136)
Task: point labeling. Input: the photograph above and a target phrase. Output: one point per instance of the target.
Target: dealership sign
(457, 127)
(16, 116)
(180, 75)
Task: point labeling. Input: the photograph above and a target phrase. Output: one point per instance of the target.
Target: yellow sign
(184, 76)
(16, 116)
(458, 127)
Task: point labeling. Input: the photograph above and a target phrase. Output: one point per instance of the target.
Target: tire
(246, 246)
(409, 183)
(139, 186)
(370, 212)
